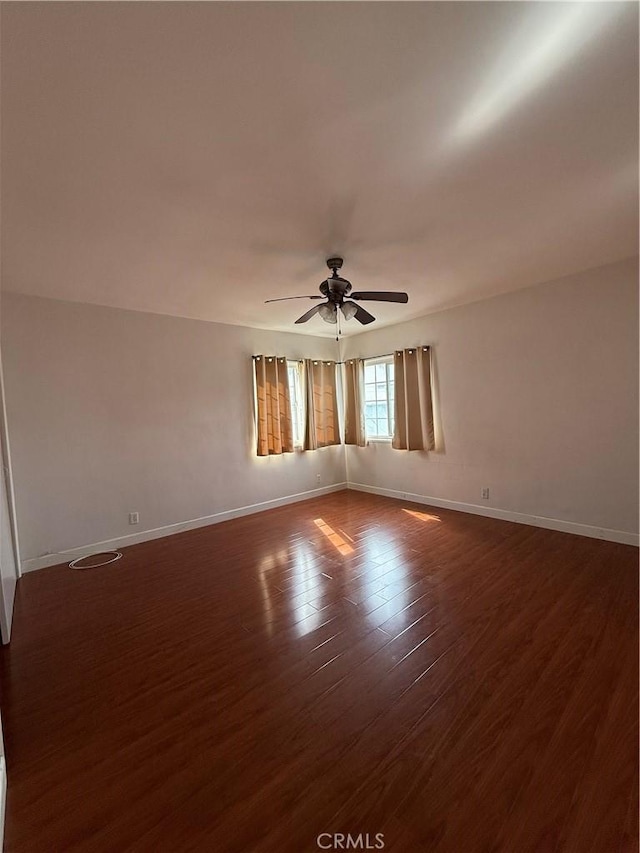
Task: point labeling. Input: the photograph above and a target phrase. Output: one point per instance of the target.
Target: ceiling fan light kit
(349, 310)
(335, 289)
(328, 312)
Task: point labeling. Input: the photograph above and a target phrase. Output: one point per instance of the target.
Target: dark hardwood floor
(350, 664)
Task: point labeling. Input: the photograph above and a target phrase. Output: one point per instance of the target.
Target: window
(294, 371)
(378, 397)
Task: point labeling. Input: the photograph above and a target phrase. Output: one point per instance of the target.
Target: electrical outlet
(484, 493)
(134, 517)
(318, 479)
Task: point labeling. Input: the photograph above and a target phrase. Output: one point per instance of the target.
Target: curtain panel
(321, 428)
(354, 432)
(273, 406)
(413, 428)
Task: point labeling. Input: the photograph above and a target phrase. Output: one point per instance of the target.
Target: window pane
(295, 397)
(379, 398)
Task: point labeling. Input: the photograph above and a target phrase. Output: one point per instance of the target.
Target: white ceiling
(196, 159)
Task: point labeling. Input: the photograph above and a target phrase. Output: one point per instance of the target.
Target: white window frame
(297, 399)
(389, 400)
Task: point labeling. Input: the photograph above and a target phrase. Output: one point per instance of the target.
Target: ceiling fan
(334, 289)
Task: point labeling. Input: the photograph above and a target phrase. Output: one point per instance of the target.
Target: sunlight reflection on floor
(421, 516)
(336, 540)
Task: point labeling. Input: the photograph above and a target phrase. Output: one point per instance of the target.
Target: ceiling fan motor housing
(335, 288)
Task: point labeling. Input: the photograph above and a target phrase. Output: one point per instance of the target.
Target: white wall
(114, 411)
(538, 393)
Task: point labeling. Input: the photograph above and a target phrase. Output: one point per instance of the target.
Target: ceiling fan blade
(284, 298)
(310, 313)
(380, 296)
(363, 316)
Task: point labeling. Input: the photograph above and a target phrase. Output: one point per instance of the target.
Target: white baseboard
(620, 536)
(157, 533)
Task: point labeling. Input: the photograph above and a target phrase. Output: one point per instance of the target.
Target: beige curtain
(354, 402)
(413, 428)
(322, 406)
(273, 416)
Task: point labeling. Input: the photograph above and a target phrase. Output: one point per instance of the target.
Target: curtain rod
(384, 355)
(328, 361)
